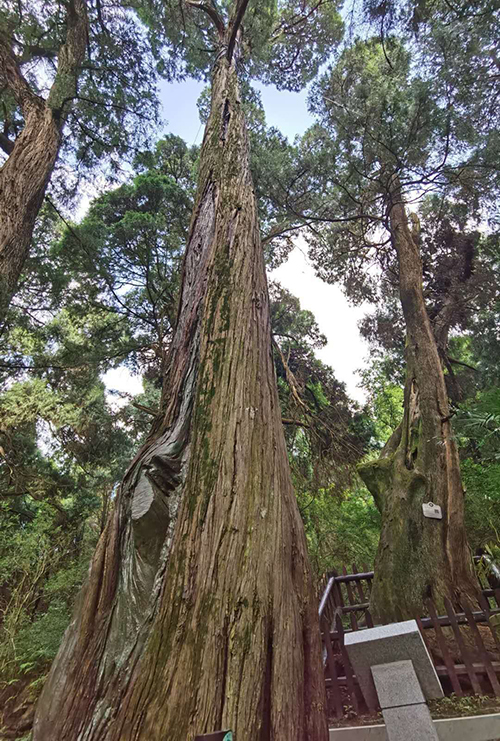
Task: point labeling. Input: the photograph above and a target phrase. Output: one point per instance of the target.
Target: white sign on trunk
(432, 510)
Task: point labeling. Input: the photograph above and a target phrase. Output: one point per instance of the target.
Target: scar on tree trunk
(199, 612)
(418, 558)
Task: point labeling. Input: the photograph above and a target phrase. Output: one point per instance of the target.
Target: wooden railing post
(330, 659)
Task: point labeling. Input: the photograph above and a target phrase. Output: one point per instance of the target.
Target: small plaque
(432, 510)
(217, 736)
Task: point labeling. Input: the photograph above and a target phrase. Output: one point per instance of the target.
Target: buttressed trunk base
(418, 558)
(199, 612)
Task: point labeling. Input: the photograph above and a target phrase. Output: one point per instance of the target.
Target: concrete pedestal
(386, 644)
(406, 715)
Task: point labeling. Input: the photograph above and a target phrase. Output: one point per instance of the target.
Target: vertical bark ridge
(213, 619)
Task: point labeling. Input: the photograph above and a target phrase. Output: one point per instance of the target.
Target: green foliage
(455, 45)
(482, 502)
(37, 642)
(324, 430)
(479, 423)
(340, 529)
(478, 430)
(456, 707)
(42, 565)
(62, 450)
(288, 43)
(383, 97)
(51, 440)
(116, 106)
(399, 103)
(284, 41)
(125, 254)
(384, 399)
(105, 290)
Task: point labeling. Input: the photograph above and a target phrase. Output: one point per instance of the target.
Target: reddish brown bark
(418, 558)
(26, 173)
(199, 612)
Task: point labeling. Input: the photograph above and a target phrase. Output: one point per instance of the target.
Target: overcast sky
(336, 318)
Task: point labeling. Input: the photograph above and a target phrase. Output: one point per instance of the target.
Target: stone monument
(395, 670)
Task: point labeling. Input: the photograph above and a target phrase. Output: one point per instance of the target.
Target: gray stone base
(409, 723)
(471, 728)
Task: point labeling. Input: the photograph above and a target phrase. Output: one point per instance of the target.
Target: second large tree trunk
(23, 181)
(418, 558)
(26, 173)
(199, 612)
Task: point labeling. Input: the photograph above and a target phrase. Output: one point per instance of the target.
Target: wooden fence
(464, 644)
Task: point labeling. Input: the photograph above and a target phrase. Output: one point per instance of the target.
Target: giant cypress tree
(419, 463)
(199, 611)
(397, 123)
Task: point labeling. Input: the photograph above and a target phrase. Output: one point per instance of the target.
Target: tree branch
(71, 56)
(211, 12)
(142, 408)
(14, 79)
(278, 230)
(6, 144)
(235, 26)
(295, 422)
(289, 377)
(459, 362)
(31, 52)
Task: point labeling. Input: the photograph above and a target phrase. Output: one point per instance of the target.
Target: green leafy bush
(340, 529)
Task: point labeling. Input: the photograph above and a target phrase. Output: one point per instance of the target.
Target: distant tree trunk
(418, 558)
(25, 175)
(199, 612)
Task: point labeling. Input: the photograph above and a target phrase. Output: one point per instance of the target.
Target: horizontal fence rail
(463, 643)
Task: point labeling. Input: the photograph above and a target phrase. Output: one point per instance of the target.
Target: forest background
(99, 291)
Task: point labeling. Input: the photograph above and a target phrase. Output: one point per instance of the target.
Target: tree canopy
(125, 249)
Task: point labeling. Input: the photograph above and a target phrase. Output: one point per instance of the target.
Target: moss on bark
(229, 635)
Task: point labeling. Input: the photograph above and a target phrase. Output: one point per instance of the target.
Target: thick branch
(295, 422)
(278, 230)
(71, 56)
(6, 144)
(211, 12)
(460, 362)
(235, 26)
(31, 52)
(14, 79)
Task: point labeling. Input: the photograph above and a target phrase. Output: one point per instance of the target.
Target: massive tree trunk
(31, 158)
(199, 612)
(418, 557)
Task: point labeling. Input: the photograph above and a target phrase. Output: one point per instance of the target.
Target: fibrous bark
(25, 175)
(418, 558)
(199, 612)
